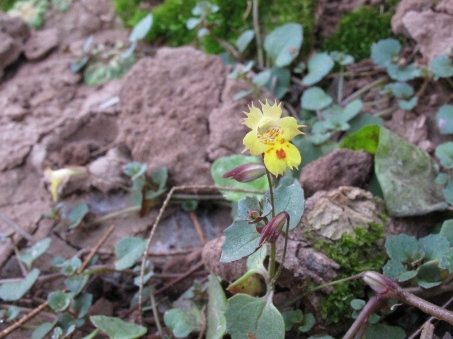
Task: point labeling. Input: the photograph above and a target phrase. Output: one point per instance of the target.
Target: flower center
(269, 135)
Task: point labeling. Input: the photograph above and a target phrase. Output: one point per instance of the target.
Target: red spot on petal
(281, 154)
(282, 141)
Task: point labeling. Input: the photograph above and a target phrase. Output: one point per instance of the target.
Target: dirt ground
(173, 109)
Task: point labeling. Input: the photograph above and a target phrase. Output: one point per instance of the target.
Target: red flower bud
(246, 172)
(273, 229)
(380, 283)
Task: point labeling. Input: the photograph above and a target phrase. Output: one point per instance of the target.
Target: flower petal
(252, 143)
(254, 118)
(293, 158)
(273, 112)
(278, 157)
(290, 128)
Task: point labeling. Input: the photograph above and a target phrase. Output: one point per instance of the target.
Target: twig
(203, 320)
(198, 227)
(156, 315)
(256, 28)
(95, 249)
(17, 228)
(23, 320)
(113, 215)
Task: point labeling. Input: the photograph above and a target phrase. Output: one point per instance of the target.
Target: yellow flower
(62, 175)
(270, 135)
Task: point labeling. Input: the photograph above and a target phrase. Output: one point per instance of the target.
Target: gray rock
(41, 43)
(10, 50)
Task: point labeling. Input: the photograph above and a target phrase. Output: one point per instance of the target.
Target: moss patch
(355, 253)
(358, 30)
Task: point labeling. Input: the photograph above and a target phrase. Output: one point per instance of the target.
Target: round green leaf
(444, 119)
(442, 66)
(116, 328)
(59, 301)
(279, 81)
(246, 314)
(406, 73)
(315, 98)
(407, 105)
(445, 154)
(128, 251)
(384, 51)
(283, 43)
(342, 58)
(182, 323)
(400, 90)
(318, 66)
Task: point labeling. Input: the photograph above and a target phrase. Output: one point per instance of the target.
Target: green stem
(114, 215)
(340, 85)
(280, 267)
(155, 314)
(271, 268)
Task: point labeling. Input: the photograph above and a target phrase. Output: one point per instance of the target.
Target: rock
(403, 7)
(41, 43)
(15, 27)
(10, 50)
(431, 29)
(178, 113)
(342, 167)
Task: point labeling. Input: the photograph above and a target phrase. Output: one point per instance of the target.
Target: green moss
(170, 19)
(355, 253)
(5, 5)
(358, 30)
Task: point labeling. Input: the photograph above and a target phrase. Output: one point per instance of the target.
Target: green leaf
(15, 291)
(442, 66)
(406, 175)
(447, 261)
(448, 192)
(128, 251)
(351, 110)
(76, 283)
(342, 58)
(241, 239)
(400, 90)
(244, 40)
(34, 252)
(393, 269)
(59, 301)
(379, 331)
(279, 81)
(434, 246)
(283, 44)
(315, 99)
(246, 314)
(363, 120)
(292, 317)
(116, 328)
(134, 170)
(42, 330)
(367, 138)
(82, 304)
(445, 154)
(92, 335)
(262, 78)
(384, 51)
(77, 214)
(224, 164)
(357, 304)
(309, 322)
(407, 105)
(182, 323)
(409, 72)
(141, 28)
(318, 66)
(216, 307)
(70, 266)
(289, 197)
(447, 231)
(402, 247)
(428, 275)
(406, 276)
(444, 119)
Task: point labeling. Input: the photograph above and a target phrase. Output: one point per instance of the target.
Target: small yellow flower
(271, 135)
(59, 176)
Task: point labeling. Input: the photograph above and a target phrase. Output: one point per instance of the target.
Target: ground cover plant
(302, 107)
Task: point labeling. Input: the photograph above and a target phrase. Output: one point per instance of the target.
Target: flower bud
(246, 172)
(379, 282)
(59, 176)
(273, 229)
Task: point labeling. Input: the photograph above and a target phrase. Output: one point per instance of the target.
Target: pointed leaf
(128, 251)
(116, 328)
(315, 98)
(141, 28)
(32, 253)
(15, 291)
(77, 215)
(241, 239)
(244, 40)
